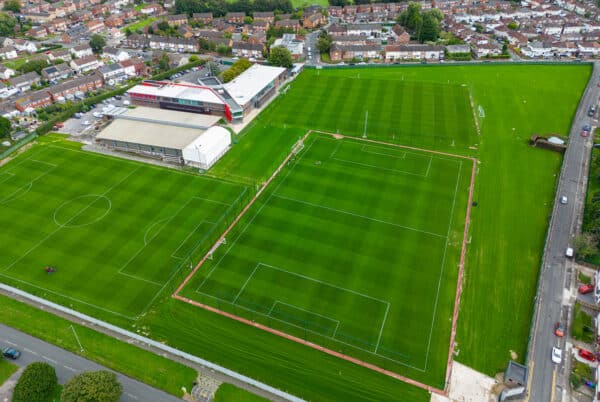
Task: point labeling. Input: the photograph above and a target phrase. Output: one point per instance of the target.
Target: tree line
(219, 8)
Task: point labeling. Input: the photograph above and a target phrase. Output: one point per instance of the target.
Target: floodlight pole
(366, 119)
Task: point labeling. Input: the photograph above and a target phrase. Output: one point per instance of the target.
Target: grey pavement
(68, 364)
(549, 381)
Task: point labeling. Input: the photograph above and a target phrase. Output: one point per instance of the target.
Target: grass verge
(6, 370)
(130, 360)
(228, 393)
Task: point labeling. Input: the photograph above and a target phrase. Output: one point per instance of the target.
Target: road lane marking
(70, 369)
(131, 396)
(30, 351)
(49, 359)
(11, 343)
(530, 379)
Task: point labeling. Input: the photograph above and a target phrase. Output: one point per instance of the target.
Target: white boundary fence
(154, 344)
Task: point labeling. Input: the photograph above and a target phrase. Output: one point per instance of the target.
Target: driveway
(68, 364)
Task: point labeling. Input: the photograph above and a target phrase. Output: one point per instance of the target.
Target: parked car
(11, 353)
(592, 111)
(585, 289)
(587, 355)
(118, 97)
(570, 252)
(556, 355)
(559, 330)
(77, 115)
(563, 199)
(585, 133)
(86, 123)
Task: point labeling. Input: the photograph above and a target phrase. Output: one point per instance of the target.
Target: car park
(585, 289)
(11, 353)
(559, 330)
(586, 354)
(556, 355)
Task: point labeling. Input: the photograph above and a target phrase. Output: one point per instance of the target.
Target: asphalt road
(548, 381)
(68, 364)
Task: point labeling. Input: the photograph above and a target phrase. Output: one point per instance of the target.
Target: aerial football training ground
(350, 242)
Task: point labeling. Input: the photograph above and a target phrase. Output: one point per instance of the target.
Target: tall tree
(163, 62)
(430, 30)
(92, 386)
(12, 5)
(411, 18)
(7, 25)
(97, 43)
(324, 42)
(5, 126)
(281, 56)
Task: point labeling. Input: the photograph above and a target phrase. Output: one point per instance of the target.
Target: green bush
(575, 381)
(581, 277)
(92, 386)
(36, 384)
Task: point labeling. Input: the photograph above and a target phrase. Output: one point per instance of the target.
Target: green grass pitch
(326, 257)
(115, 236)
(507, 226)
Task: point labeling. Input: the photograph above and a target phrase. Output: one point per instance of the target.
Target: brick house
(33, 100)
(247, 50)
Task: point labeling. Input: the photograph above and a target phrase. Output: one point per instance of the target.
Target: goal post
(297, 147)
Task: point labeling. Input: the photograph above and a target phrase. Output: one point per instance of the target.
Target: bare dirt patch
(468, 385)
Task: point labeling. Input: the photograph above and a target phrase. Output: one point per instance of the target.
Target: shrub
(36, 384)
(92, 386)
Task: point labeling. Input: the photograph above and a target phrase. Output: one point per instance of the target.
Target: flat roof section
(153, 134)
(247, 85)
(178, 91)
(166, 116)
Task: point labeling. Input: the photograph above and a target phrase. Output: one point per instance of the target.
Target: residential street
(549, 381)
(68, 364)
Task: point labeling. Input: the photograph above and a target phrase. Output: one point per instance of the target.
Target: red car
(587, 355)
(584, 289)
(559, 330)
(585, 133)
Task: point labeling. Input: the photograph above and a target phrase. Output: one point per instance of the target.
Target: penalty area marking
(337, 322)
